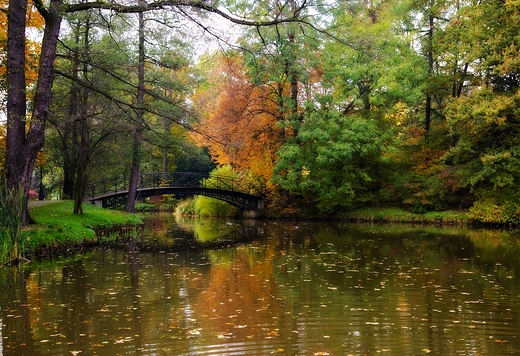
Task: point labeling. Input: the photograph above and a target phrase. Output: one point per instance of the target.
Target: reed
(12, 202)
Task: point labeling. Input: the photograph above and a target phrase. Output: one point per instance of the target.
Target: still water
(287, 288)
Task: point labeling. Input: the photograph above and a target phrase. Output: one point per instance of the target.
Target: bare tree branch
(195, 4)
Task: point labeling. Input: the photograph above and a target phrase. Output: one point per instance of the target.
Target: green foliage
(205, 207)
(191, 158)
(335, 160)
(11, 208)
(487, 154)
(349, 107)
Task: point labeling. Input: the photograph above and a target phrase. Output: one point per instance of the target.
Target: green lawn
(56, 223)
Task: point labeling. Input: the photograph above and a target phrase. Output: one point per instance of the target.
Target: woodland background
(410, 103)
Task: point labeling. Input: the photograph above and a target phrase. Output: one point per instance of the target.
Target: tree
(339, 157)
(484, 121)
(23, 144)
(34, 22)
(373, 68)
(238, 125)
(284, 58)
(82, 119)
(139, 119)
(337, 162)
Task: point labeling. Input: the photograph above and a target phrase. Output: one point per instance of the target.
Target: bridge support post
(252, 214)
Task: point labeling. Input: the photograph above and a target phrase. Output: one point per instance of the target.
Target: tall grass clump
(187, 207)
(12, 202)
(205, 207)
(211, 207)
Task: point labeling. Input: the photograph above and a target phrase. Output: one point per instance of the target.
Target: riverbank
(58, 227)
(397, 215)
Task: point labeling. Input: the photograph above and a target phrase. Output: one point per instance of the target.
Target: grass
(57, 225)
(397, 215)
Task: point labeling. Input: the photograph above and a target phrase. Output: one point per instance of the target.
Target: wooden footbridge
(113, 192)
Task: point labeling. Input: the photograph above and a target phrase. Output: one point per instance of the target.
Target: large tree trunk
(16, 163)
(22, 147)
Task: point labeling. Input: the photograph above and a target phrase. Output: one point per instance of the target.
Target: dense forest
(323, 106)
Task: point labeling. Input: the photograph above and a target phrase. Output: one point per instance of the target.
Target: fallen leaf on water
(194, 332)
(224, 335)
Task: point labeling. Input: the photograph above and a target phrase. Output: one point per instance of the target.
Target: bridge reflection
(111, 193)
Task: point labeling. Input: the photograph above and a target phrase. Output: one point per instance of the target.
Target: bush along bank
(58, 230)
(397, 215)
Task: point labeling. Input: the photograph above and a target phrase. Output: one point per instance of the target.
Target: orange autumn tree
(34, 23)
(32, 49)
(238, 120)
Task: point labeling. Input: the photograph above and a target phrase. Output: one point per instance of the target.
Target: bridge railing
(167, 179)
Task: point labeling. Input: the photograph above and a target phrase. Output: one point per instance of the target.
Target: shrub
(493, 210)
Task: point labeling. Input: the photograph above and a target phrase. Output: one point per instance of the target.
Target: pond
(264, 287)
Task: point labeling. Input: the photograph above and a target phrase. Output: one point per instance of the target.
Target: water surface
(286, 288)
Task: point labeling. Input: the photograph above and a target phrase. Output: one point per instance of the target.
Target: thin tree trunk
(138, 133)
(69, 130)
(165, 161)
(83, 142)
(428, 107)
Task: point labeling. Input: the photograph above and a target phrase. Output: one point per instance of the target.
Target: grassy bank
(397, 215)
(57, 225)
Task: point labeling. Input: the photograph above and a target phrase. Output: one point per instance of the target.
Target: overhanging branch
(195, 4)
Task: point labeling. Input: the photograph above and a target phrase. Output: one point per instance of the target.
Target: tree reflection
(16, 327)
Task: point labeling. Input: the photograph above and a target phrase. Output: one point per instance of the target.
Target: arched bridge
(113, 192)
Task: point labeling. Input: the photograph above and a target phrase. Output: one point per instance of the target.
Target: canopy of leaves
(238, 120)
(336, 161)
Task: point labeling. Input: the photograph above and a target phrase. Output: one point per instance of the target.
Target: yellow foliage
(34, 22)
(398, 115)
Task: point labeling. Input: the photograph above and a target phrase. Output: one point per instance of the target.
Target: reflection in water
(298, 289)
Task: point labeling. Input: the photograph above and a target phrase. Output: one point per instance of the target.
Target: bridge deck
(113, 192)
